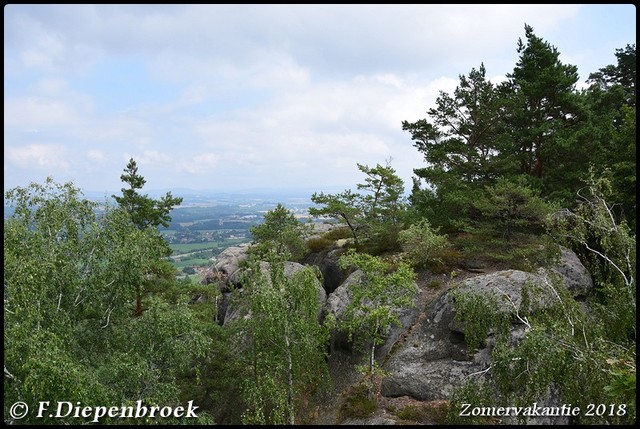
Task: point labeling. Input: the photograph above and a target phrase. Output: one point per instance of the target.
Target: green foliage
(511, 206)
(422, 244)
(284, 342)
(608, 250)
(72, 279)
(464, 140)
(373, 217)
(383, 201)
(343, 207)
(317, 244)
(423, 413)
(357, 404)
(376, 297)
(144, 211)
(623, 74)
(562, 351)
(476, 393)
(482, 249)
(434, 284)
(535, 124)
(337, 233)
(610, 129)
(478, 313)
(280, 231)
(542, 105)
(464, 147)
(189, 270)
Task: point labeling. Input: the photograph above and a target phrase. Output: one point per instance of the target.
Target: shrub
(434, 284)
(317, 244)
(422, 243)
(337, 233)
(435, 412)
(357, 404)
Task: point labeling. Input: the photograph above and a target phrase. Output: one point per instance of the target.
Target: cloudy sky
(233, 97)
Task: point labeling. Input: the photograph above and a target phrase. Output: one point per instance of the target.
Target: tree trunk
(351, 227)
(372, 363)
(292, 415)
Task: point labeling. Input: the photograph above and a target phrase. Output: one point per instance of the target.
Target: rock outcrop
(433, 359)
(337, 303)
(229, 260)
(327, 262)
(235, 310)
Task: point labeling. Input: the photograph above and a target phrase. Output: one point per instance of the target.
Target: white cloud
(249, 94)
(38, 156)
(200, 164)
(36, 112)
(151, 158)
(96, 155)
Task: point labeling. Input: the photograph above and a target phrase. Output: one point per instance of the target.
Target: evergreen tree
(463, 146)
(147, 214)
(623, 74)
(511, 206)
(465, 137)
(374, 217)
(280, 231)
(542, 113)
(611, 129)
(384, 201)
(144, 211)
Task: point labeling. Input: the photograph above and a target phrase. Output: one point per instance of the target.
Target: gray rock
(235, 308)
(443, 375)
(327, 261)
(433, 359)
(228, 261)
(337, 303)
(575, 275)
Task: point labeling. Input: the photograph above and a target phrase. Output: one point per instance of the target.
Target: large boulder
(318, 229)
(433, 359)
(337, 303)
(228, 261)
(236, 308)
(327, 262)
(575, 275)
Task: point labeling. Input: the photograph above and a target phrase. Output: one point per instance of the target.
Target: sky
(232, 97)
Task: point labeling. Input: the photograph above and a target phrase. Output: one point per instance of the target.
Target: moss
(427, 413)
(356, 403)
(318, 244)
(338, 233)
(434, 284)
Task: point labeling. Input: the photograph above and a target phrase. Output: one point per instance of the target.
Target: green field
(193, 247)
(199, 254)
(191, 263)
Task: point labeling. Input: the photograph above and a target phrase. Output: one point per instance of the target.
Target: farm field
(203, 226)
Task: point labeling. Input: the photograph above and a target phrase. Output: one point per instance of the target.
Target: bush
(357, 403)
(317, 244)
(421, 243)
(427, 413)
(338, 233)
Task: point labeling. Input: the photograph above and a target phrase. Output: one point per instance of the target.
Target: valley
(207, 223)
